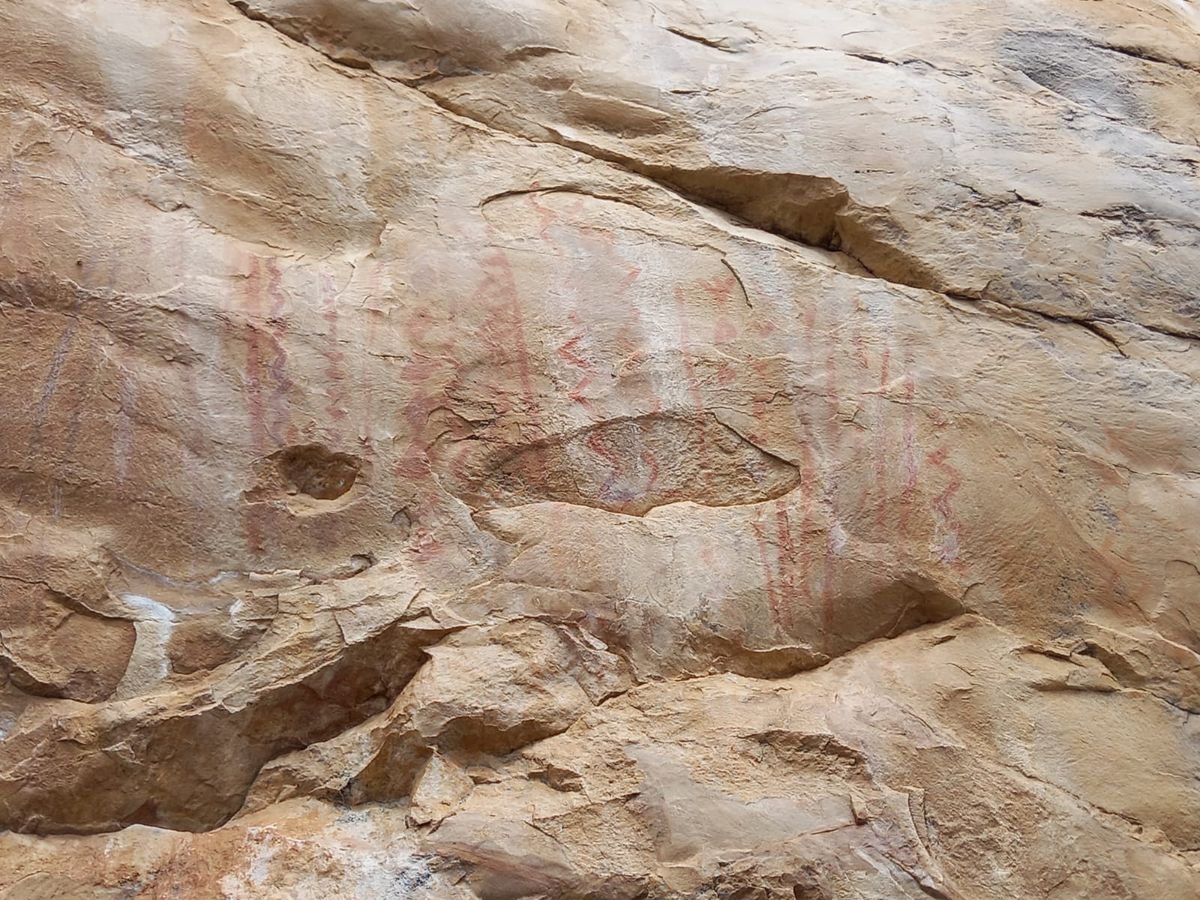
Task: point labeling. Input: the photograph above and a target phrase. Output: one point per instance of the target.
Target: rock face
(603, 449)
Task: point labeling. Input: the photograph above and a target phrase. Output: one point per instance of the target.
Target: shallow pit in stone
(316, 471)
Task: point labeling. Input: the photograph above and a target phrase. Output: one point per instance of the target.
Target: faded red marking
(190, 377)
(787, 571)
(595, 442)
(280, 427)
(720, 288)
(808, 487)
(860, 347)
(412, 465)
(50, 384)
(254, 364)
(255, 406)
(758, 406)
(334, 357)
(829, 563)
(832, 433)
(599, 244)
(1118, 439)
(567, 352)
(82, 401)
(942, 503)
(832, 397)
(690, 373)
(607, 245)
(685, 341)
(547, 216)
(909, 462)
(879, 444)
(763, 329)
(370, 342)
(760, 538)
(505, 328)
(651, 462)
(427, 371)
(1123, 582)
(630, 347)
(124, 429)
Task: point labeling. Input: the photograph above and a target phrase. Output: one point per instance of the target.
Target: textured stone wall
(600, 449)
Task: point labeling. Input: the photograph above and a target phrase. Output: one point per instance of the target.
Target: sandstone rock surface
(600, 449)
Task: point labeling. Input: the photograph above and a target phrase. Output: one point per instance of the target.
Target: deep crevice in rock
(189, 769)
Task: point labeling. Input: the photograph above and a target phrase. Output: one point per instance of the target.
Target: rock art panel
(605, 449)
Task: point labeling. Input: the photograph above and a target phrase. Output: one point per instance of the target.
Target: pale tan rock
(439, 791)
(52, 650)
(606, 449)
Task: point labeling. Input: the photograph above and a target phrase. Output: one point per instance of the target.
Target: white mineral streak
(149, 665)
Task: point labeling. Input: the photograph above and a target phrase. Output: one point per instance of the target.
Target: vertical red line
(834, 432)
(334, 357)
(760, 538)
(279, 402)
(943, 504)
(909, 463)
(879, 442)
(255, 407)
(787, 562)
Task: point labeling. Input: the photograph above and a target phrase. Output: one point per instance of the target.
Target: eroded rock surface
(602, 449)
